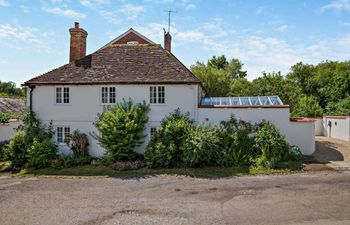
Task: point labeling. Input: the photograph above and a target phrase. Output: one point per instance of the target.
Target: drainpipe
(31, 97)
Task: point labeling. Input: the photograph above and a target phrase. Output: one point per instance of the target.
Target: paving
(335, 153)
(303, 198)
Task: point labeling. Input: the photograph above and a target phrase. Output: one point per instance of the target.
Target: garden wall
(299, 132)
(8, 129)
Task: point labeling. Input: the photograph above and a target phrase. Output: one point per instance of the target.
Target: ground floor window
(152, 131)
(62, 133)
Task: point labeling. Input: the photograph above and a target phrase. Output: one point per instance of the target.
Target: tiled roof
(121, 64)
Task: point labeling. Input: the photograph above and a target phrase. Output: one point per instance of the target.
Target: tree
(340, 108)
(218, 74)
(215, 82)
(9, 88)
(307, 107)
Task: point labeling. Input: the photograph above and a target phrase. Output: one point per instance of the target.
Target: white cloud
(190, 6)
(282, 28)
(111, 17)
(64, 12)
(93, 3)
(338, 6)
(3, 61)
(19, 37)
(4, 3)
(132, 11)
(262, 10)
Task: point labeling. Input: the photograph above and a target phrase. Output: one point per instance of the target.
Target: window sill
(62, 104)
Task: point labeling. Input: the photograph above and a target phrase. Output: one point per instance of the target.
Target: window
(62, 134)
(157, 94)
(62, 95)
(153, 130)
(108, 95)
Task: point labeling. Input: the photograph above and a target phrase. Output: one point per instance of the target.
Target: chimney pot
(77, 48)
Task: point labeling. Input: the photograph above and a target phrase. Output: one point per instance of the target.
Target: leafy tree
(215, 81)
(9, 88)
(340, 108)
(121, 129)
(218, 62)
(240, 87)
(218, 74)
(307, 106)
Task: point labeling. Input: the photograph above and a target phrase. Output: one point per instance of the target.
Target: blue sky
(266, 35)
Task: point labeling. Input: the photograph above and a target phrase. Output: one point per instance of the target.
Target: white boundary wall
(337, 127)
(7, 130)
(300, 133)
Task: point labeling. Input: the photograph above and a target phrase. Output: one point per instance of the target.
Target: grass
(207, 172)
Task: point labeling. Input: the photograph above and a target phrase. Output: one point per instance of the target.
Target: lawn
(207, 172)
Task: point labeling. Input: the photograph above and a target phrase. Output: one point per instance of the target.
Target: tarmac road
(305, 198)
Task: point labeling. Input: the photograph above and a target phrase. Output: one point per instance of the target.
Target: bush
(41, 153)
(122, 129)
(236, 142)
(71, 161)
(271, 146)
(163, 149)
(3, 150)
(24, 138)
(78, 143)
(201, 147)
(5, 117)
(17, 152)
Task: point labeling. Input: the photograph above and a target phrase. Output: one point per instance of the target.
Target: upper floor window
(62, 95)
(62, 133)
(157, 94)
(108, 95)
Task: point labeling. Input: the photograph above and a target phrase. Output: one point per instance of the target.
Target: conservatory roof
(252, 101)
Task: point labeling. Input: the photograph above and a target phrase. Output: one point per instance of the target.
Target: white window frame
(108, 96)
(65, 132)
(63, 95)
(150, 131)
(157, 95)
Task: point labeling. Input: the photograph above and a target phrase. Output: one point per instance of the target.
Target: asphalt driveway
(306, 198)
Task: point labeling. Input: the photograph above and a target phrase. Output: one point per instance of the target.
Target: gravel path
(307, 198)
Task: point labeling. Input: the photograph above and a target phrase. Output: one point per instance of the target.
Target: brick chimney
(77, 43)
(167, 41)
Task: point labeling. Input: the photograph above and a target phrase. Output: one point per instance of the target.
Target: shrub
(122, 129)
(236, 142)
(201, 147)
(4, 117)
(78, 143)
(3, 150)
(41, 153)
(271, 146)
(294, 153)
(17, 152)
(24, 138)
(163, 149)
(71, 161)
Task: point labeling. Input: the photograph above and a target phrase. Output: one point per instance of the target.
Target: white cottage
(132, 66)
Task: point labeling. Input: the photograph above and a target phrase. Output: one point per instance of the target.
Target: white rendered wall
(302, 134)
(298, 133)
(7, 130)
(340, 128)
(319, 126)
(85, 104)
